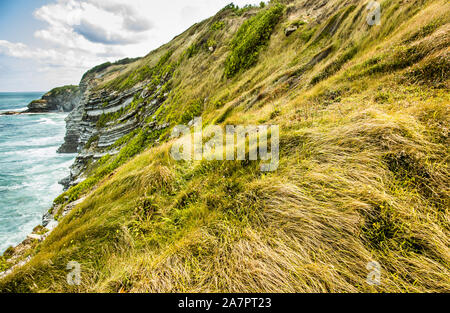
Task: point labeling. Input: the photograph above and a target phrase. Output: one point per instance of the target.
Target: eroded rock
(289, 30)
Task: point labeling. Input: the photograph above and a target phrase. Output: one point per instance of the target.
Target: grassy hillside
(363, 176)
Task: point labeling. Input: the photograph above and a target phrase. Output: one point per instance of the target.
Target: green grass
(91, 141)
(135, 145)
(104, 66)
(250, 38)
(192, 110)
(59, 90)
(335, 66)
(218, 25)
(145, 72)
(4, 265)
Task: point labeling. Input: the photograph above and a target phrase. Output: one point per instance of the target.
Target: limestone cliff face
(73, 121)
(90, 133)
(75, 127)
(61, 99)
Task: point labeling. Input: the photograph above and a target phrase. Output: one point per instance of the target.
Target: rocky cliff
(61, 99)
(102, 117)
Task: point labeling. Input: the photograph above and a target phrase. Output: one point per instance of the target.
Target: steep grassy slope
(363, 175)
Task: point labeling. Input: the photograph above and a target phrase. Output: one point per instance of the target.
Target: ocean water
(30, 168)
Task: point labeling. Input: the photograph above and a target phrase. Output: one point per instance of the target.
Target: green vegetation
(120, 142)
(434, 71)
(91, 141)
(333, 23)
(236, 9)
(298, 23)
(192, 110)
(335, 66)
(306, 34)
(4, 265)
(192, 50)
(218, 25)
(133, 147)
(97, 69)
(404, 56)
(59, 90)
(424, 31)
(109, 117)
(363, 174)
(8, 252)
(106, 118)
(160, 74)
(250, 38)
(104, 66)
(145, 72)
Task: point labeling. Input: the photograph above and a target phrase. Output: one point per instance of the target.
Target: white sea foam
(35, 142)
(14, 110)
(47, 121)
(14, 187)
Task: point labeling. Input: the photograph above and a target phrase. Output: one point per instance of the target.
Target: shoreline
(12, 113)
(19, 254)
(22, 253)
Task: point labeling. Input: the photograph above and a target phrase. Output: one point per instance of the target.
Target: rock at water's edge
(61, 99)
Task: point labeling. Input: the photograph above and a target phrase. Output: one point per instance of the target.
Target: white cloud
(49, 57)
(85, 24)
(80, 34)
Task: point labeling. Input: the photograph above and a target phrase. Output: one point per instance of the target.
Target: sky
(50, 43)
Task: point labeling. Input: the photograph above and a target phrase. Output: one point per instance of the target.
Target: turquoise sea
(30, 168)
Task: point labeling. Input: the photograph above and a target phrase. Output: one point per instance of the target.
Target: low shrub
(250, 38)
(218, 25)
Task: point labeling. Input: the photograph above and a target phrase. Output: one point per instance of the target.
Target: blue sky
(50, 43)
(16, 22)
(17, 15)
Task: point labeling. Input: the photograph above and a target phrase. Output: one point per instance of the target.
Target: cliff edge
(60, 99)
